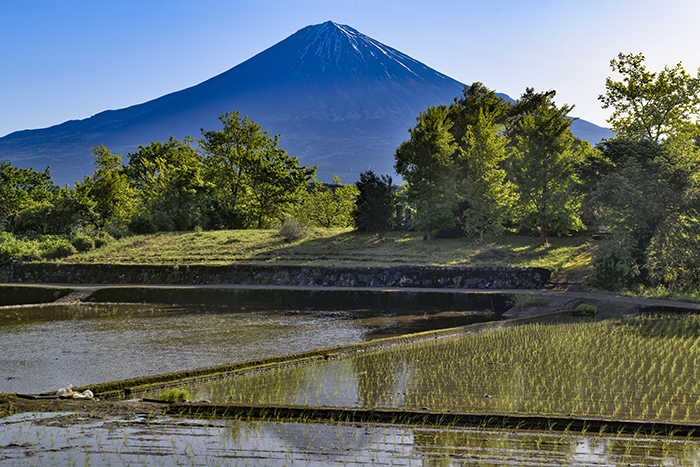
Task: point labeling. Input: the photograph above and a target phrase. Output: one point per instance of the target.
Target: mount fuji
(340, 99)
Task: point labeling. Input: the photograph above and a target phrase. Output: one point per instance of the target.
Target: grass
(174, 395)
(334, 247)
(661, 292)
(525, 300)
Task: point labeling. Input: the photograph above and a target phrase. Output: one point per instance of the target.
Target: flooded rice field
(43, 348)
(68, 439)
(646, 368)
(643, 368)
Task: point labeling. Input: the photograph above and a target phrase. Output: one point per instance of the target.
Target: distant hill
(340, 99)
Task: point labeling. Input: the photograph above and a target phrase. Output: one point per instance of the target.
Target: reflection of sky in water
(45, 348)
(46, 355)
(70, 439)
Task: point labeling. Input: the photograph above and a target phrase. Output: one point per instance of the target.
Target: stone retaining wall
(396, 276)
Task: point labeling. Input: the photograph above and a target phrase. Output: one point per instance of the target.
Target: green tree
(453, 164)
(630, 192)
(673, 256)
(62, 213)
(277, 184)
(647, 193)
(376, 202)
(640, 183)
(169, 179)
(487, 196)
(426, 162)
(649, 105)
(22, 189)
(255, 180)
(544, 170)
(150, 163)
(329, 205)
(110, 191)
(476, 100)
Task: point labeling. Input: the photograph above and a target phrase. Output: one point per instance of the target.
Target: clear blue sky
(71, 59)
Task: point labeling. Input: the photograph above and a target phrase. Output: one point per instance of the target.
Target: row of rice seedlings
(76, 439)
(628, 369)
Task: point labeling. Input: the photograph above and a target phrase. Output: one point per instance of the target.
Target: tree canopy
(544, 170)
(20, 189)
(649, 105)
(256, 181)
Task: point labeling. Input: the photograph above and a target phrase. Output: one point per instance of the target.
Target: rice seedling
(638, 369)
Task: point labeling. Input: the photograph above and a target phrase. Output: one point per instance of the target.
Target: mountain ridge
(339, 98)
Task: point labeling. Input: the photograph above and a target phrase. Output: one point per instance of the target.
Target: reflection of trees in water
(322, 443)
(439, 446)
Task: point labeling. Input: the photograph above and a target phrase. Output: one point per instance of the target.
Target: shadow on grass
(353, 248)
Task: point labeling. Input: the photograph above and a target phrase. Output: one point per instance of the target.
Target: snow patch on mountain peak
(338, 47)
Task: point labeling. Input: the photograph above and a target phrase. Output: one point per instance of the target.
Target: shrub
(614, 267)
(588, 310)
(292, 230)
(55, 248)
(673, 256)
(102, 238)
(10, 248)
(376, 202)
(141, 224)
(83, 243)
(526, 299)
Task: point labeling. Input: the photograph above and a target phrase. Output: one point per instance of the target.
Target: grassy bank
(337, 247)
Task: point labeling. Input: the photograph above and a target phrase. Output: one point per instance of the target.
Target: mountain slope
(340, 99)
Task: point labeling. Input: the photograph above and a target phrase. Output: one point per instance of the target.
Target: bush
(83, 243)
(292, 230)
(614, 267)
(102, 239)
(523, 300)
(56, 248)
(142, 224)
(10, 248)
(588, 310)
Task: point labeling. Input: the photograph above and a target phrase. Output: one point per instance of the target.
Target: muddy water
(58, 439)
(44, 348)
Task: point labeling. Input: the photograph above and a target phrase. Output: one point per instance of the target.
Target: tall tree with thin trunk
(544, 170)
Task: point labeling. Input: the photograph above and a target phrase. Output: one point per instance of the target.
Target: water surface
(60, 439)
(44, 348)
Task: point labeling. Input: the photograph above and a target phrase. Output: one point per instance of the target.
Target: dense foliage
(483, 163)
(375, 203)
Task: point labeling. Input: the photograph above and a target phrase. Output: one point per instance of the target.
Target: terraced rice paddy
(70, 439)
(637, 369)
(643, 368)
